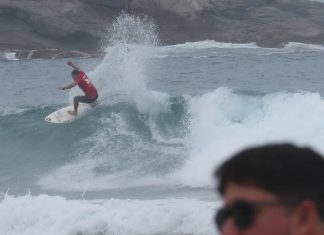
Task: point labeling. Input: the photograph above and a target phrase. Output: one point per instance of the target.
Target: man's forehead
(235, 191)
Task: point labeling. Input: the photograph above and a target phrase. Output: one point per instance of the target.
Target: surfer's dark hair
(284, 170)
(75, 73)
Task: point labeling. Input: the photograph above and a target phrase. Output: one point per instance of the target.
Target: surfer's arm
(73, 84)
(74, 66)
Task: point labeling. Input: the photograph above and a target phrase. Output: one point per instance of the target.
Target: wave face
(121, 146)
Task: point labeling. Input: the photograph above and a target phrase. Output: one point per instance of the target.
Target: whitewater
(143, 161)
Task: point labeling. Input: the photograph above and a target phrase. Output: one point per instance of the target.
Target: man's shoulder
(81, 75)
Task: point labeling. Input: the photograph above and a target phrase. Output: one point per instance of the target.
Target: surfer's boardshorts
(84, 99)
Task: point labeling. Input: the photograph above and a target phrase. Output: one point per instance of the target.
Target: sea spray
(139, 136)
(130, 29)
(121, 75)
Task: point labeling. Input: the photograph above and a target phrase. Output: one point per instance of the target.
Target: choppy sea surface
(142, 162)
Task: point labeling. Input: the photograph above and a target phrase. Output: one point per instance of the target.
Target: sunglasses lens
(242, 213)
(221, 217)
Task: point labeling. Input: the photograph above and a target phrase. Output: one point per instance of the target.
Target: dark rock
(81, 25)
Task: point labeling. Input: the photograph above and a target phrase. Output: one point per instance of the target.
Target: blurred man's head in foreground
(272, 190)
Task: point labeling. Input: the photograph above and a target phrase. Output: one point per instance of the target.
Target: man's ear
(305, 218)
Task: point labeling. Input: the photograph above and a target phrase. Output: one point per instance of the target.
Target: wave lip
(237, 121)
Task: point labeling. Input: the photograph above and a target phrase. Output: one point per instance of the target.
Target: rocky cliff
(82, 24)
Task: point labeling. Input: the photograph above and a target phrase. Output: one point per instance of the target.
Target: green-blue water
(141, 163)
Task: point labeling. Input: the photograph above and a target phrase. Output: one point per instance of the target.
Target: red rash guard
(86, 85)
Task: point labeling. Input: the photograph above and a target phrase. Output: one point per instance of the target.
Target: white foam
(302, 46)
(11, 56)
(175, 50)
(69, 178)
(211, 44)
(53, 215)
(224, 122)
(322, 1)
(8, 110)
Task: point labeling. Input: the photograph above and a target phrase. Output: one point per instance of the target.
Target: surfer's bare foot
(73, 113)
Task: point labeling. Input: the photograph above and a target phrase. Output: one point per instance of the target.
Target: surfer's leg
(76, 103)
(81, 99)
(91, 101)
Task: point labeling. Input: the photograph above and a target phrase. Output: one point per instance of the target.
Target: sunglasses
(243, 212)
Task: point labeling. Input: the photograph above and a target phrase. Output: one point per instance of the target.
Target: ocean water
(142, 162)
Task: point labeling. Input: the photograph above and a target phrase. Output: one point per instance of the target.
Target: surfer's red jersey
(86, 85)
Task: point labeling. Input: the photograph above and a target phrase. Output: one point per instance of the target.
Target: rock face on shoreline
(82, 24)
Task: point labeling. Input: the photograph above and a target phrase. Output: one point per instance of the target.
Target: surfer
(84, 83)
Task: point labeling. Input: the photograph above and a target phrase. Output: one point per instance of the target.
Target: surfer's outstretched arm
(74, 66)
(73, 84)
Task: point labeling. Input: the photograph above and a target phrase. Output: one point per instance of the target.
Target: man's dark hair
(75, 73)
(284, 170)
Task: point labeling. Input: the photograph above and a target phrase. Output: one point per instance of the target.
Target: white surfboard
(62, 116)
